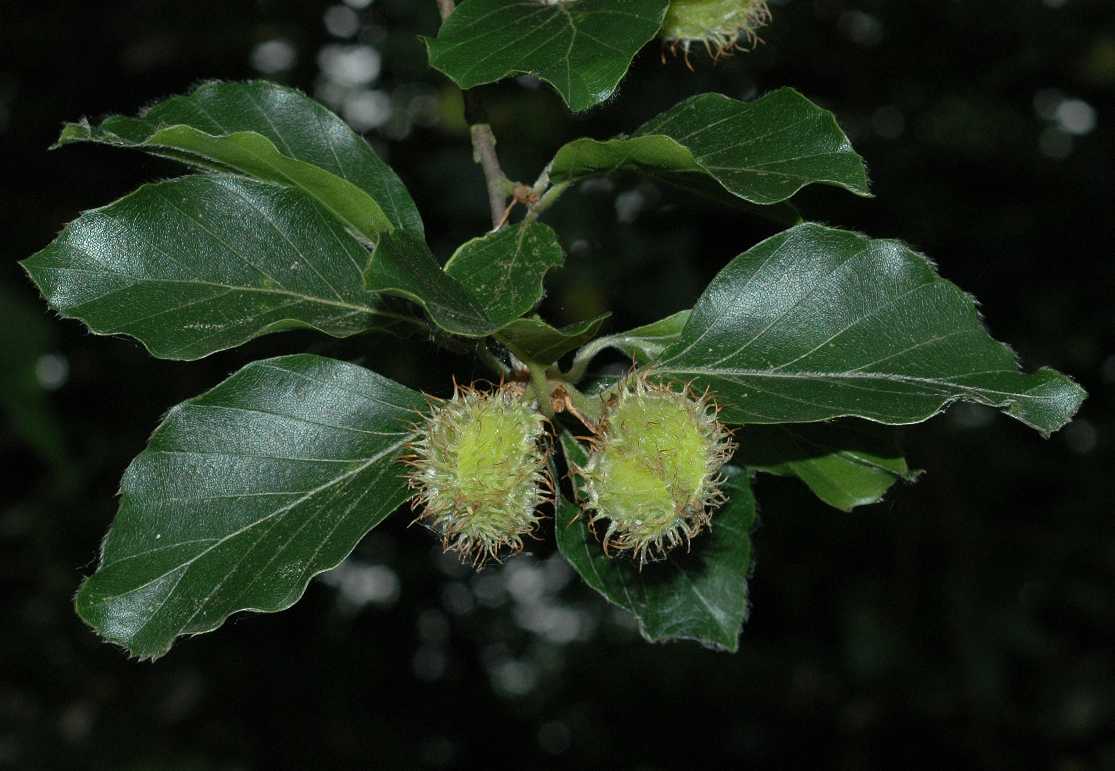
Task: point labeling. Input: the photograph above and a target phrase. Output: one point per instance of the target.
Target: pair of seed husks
(480, 470)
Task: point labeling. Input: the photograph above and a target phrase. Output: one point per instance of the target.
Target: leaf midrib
(367, 462)
(732, 374)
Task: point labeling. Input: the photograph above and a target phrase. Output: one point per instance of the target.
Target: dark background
(967, 621)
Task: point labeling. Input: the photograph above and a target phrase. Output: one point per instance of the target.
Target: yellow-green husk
(720, 25)
(654, 470)
(479, 470)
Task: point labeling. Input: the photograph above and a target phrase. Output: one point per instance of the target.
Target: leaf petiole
(540, 387)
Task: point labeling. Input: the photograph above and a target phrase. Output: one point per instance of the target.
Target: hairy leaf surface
(817, 323)
(700, 595)
(203, 263)
(580, 47)
(246, 492)
(762, 151)
(273, 133)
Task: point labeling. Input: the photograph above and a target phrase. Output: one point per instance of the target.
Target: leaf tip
(80, 131)
(1051, 404)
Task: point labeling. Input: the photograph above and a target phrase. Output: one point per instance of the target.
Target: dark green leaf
(534, 340)
(488, 283)
(817, 323)
(700, 595)
(272, 133)
(504, 270)
(762, 151)
(403, 265)
(581, 47)
(244, 494)
(846, 464)
(204, 263)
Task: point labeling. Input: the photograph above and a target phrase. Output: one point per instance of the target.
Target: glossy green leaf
(817, 323)
(700, 595)
(245, 493)
(488, 283)
(846, 464)
(580, 47)
(534, 340)
(762, 151)
(204, 263)
(272, 133)
(504, 270)
(403, 265)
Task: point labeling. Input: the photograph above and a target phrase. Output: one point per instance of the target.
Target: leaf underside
(646, 343)
(534, 340)
(762, 152)
(272, 133)
(817, 323)
(700, 595)
(583, 48)
(203, 263)
(846, 463)
(246, 492)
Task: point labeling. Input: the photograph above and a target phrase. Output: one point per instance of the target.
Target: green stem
(541, 388)
(491, 361)
(548, 199)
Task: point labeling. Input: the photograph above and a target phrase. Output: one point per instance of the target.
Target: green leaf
(846, 464)
(505, 269)
(272, 133)
(700, 595)
(204, 263)
(534, 340)
(817, 323)
(762, 151)
(643, 344)
(488, 283)
(646, 343)
(580, 47)
(403, 265)
(245, 493)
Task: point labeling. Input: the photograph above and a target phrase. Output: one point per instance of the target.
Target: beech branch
(483, 145)
(484, 153)
(445, 7)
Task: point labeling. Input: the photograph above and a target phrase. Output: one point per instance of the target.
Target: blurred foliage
(968, 621)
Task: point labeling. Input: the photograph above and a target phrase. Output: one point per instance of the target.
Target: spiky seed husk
(720, 25)
(479, 470)
(654, 470)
